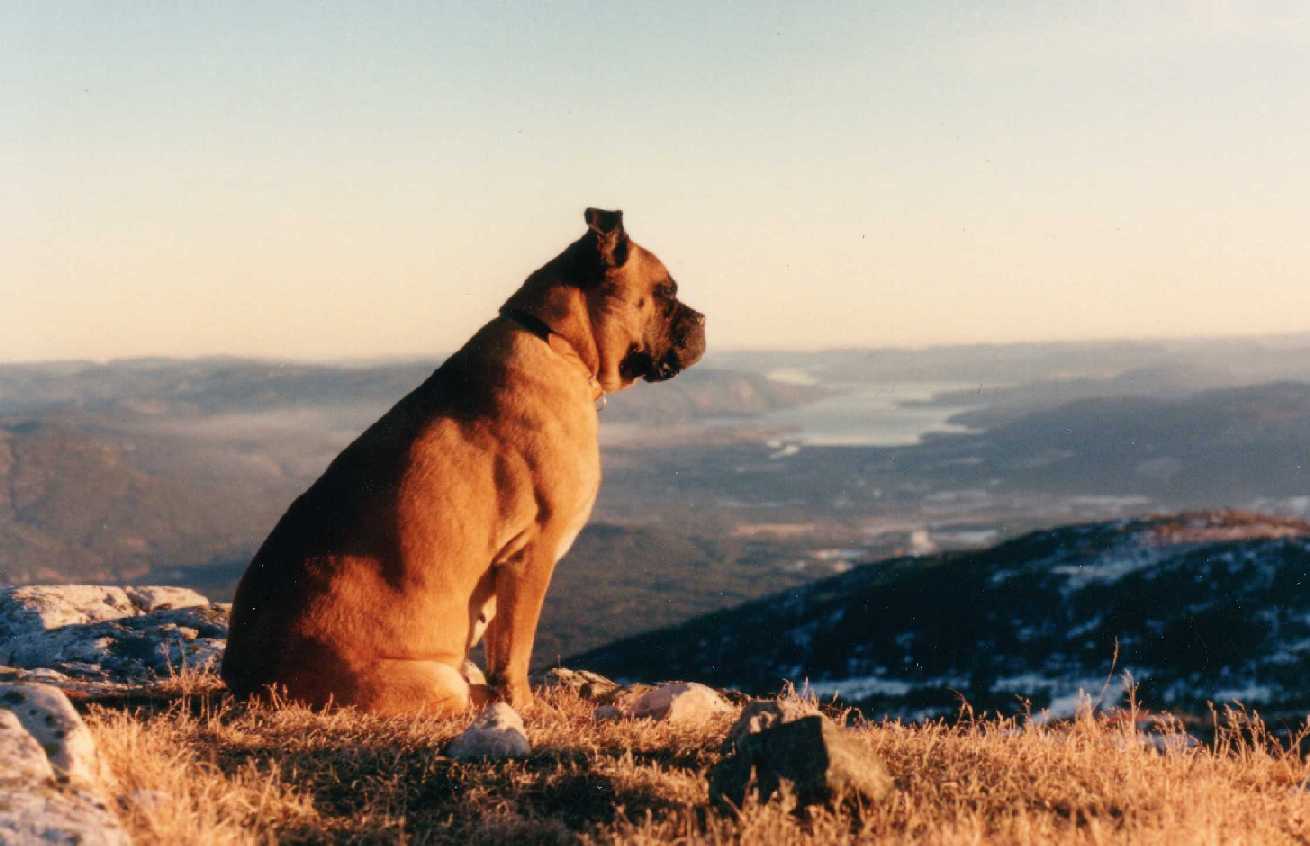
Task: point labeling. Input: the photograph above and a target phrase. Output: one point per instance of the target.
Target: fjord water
(881, 414)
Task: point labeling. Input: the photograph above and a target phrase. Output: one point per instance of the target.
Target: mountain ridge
(1200, 606)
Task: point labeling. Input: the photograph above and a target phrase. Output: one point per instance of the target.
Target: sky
(335, 181)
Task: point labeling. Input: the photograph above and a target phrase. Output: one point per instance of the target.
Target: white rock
(149, 598)
(35, 807)
(497, 733)
(132, 648)
(679, 702)
(37, 608)
(24, 760)
(50, 719)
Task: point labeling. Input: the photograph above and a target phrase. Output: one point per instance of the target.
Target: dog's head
(617, 304)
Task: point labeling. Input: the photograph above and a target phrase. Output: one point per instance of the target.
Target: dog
(441, 524)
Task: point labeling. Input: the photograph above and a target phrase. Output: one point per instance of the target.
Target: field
(191, 766)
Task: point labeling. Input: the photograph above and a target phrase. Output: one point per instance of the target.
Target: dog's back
(312, 590)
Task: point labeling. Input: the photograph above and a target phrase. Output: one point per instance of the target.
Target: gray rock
(37, 608)
(822, 762)
(759, 715)
(105, 634)
(497, 733)
(24, 759)
(675, 702)
(75, 687)
(37, 807)
(48, 717)
(583, 683)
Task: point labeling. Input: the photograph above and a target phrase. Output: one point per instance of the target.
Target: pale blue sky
(330, 180)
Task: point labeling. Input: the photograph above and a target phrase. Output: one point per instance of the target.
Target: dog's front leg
(521, 586)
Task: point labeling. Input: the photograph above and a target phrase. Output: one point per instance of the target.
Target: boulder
(37, 805)
(37, 608)
(496, 733)
(110, 634)
(49, 718)
(24, 759)
(761, 714)
(675, 702)
(822, 762)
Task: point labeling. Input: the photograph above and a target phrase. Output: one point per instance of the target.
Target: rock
(36, 806)
(78, 688)
(618, 703)
(497, 733)
(759, 715)
(822, 762)
(48, 717)
(680, 702)
(37, 608)
(149, 598)
(583, 683)
(104, 634)
(23, 757)
(675, 702)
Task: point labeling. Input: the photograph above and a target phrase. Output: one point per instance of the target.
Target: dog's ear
(611, 239)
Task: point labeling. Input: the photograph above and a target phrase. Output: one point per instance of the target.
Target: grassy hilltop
(193, 767)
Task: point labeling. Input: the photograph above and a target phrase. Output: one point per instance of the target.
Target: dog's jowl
(441, 524)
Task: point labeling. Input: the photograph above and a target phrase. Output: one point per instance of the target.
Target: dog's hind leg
(414, 686)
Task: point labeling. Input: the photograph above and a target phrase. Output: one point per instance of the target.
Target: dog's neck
(557, 342)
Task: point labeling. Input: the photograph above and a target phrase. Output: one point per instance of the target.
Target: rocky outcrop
(50, 777)
(70, 634)
(37, 608)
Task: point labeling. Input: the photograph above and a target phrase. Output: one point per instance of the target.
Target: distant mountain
(1202, 606)
(80, 501)
(121, 390)
(1222, 446)
(1222, 361)
(134, 469)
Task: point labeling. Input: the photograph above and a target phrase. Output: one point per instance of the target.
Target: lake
(870, 415)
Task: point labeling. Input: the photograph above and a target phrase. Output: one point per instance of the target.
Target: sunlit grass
(194, 767)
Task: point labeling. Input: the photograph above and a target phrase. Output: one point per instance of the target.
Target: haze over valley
(753, 474)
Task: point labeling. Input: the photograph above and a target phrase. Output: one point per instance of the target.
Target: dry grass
(193, 767)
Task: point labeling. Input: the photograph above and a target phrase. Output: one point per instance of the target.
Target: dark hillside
(1210, 606)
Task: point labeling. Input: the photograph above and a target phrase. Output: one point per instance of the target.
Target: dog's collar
(542, 330)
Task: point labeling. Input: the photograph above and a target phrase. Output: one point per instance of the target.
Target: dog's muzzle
(687, 348)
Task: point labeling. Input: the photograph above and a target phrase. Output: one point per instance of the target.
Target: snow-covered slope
(1202, 606)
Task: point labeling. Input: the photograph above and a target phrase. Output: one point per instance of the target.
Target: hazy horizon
(344, 183)
(403, 358)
